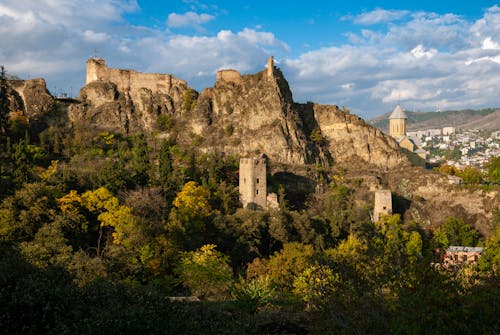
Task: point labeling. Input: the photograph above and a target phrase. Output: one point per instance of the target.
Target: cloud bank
(425, 61)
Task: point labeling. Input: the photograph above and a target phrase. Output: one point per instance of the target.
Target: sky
(365, 55)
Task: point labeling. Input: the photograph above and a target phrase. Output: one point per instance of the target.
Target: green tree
(4, 102)
(316, 284)
(189, 99)
(455, 232)
(140, 161)
(471, 175)
(206, 272)
(166, 171)
(494, 170)
(283, 266)
(21, 162)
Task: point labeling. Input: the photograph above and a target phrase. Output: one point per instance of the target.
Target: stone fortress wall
(230, 76)
(233, 76)
(130, 80)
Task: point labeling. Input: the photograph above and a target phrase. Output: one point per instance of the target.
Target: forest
(98, 231)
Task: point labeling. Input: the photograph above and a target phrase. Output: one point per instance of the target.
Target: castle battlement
(130, 80)
(233, 76)
(229, 75)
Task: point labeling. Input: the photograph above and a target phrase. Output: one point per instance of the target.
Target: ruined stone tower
(270, 67)
(383, 204)
(397, 123)
(253, 183)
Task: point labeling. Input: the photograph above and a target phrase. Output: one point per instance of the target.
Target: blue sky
(365, 55)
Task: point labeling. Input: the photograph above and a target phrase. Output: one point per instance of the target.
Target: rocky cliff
(104, 106)
(30, 96)
(243, 115)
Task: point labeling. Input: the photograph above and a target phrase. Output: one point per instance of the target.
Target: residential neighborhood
(457, 147)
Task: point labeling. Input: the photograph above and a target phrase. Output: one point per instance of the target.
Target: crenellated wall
(130, 80)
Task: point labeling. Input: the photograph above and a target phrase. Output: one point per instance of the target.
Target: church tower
(397, 122)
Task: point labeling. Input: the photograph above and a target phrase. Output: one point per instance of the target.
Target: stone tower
(95, 69)
(270, 67)
(253, 182)
(383, 204)
(397, 122)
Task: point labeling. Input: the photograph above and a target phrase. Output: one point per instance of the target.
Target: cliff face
(253, 115)
(351, 139)
(242, 115)
(104, 106)
(31, 97)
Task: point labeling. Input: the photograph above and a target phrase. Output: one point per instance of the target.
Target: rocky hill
(248, 115)
(486, 119)
(242, 114)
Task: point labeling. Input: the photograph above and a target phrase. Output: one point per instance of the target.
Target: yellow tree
(192, 206)
(206, 272)
(110, 213)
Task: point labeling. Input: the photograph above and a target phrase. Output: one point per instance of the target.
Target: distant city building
(448, 130)
(458, 255)
(397, 129)
(397, 122)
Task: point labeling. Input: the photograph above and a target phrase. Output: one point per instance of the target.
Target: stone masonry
(130, 80)
(383, 204)
(253, 183)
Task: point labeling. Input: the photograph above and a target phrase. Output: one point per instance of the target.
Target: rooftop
(464, 249)
(398, 113)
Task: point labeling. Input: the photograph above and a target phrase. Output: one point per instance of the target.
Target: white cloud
(424, 61)
(93, 37)
(188, 19)
(420, 52)
(380, 16)
(489, 44)
(430, 60)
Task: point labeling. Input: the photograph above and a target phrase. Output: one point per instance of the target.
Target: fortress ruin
(130, 80)
(253, 182)
(253, 185)
(233, 76)
(383, 204)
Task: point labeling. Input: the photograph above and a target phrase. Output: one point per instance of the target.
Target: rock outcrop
(126, 101)
(30, 96)
(243, 115)
(351, 139)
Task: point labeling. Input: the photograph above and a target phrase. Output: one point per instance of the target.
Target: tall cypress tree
(4, 102)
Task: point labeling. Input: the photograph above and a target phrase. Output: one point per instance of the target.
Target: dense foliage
(97, 229)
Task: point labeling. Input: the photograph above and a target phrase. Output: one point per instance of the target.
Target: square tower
(253, 182)
(383, 204)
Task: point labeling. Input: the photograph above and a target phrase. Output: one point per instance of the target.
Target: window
(244, 180)
(256, 191)
(257, 180)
